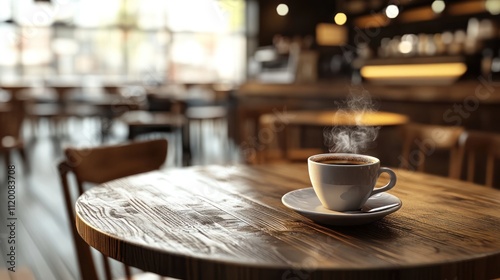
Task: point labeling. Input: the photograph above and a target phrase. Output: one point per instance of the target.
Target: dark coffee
(342, 162)
(343, 159)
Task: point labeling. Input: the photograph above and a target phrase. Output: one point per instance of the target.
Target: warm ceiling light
(438, 6)
(493, 6)
(392, 11)
(340, 19)
(414, 71)
(282, 9)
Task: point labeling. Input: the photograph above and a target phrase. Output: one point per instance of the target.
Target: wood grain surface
(228, 222)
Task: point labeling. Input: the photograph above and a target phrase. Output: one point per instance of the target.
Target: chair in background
(204, 121)
(475, 145)
(423, 140)
(165, 117)
(98, 165)
(12, 115)
(207, 118)
(286, 140)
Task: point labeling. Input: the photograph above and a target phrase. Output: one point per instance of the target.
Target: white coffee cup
(344, 182)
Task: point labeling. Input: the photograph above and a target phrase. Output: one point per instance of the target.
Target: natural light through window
(179, 40)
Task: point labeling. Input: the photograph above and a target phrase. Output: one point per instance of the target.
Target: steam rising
(351, 138)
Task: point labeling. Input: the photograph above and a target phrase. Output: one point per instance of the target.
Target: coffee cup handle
(389, 185)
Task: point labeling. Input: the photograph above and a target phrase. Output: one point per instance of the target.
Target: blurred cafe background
(238, 82)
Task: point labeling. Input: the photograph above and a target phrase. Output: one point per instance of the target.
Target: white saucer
(306, 203)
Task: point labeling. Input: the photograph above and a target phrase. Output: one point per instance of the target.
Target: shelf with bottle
(459, 42)
(441, 57)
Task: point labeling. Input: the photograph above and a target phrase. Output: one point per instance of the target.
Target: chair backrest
(422, 140)
(99, 165)
(474, 145)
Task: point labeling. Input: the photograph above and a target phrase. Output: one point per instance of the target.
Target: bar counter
(484, 89)
(473, 104)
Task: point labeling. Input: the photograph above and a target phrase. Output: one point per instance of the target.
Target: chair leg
(7, 159)
(128, 273)
(186, 145)
(24, 157)
(107, 267)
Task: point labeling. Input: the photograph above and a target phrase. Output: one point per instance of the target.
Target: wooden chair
(163, 116)
(98, 165)
(12, 116)
(423, 140)
(474, 145)
(286, 141)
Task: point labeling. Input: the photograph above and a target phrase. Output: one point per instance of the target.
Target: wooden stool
(206, 122)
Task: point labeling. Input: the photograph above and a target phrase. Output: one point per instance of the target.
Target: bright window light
(5, 10)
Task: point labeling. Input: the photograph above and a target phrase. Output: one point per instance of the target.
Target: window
(188, 40)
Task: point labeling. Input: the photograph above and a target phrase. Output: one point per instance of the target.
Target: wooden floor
(42, 234)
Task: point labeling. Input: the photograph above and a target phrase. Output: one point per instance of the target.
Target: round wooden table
(15, 89)
(228, 222)
(278, 126)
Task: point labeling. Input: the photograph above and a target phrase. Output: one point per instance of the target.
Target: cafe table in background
(281, 125)
(229, 222)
